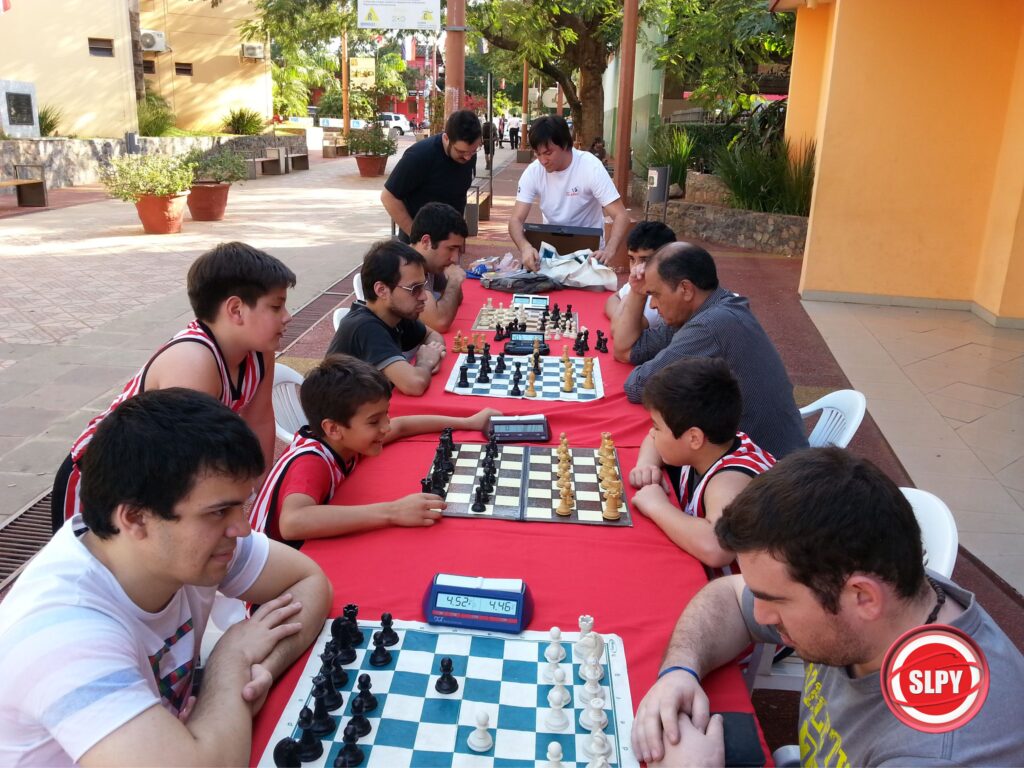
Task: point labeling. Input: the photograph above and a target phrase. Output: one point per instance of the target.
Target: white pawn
(490, 303)
(556, 720)
(480, 739)
(554, 755)
(555, 652)
(596, 745)
(593, 715)
(590, 690)
(559, 679)
(592, 669)
(549, 671)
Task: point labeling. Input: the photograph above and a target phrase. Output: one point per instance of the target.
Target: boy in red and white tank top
(346, 401)
(695, 405)
(238, 295)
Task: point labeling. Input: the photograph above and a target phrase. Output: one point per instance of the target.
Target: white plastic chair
(288, 415)
(339, 314)
(938, 530)
(841, 414)
(357, 286)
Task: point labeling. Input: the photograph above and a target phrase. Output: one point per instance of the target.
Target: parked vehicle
(394, 122)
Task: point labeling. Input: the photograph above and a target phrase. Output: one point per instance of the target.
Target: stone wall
(69, 162)
(715, 222)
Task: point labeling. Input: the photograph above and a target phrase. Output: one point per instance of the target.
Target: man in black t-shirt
(386, 326)
(438, 169)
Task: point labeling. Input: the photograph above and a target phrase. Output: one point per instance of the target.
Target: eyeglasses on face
(414, 290)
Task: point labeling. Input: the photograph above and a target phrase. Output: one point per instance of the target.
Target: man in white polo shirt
(574, 190)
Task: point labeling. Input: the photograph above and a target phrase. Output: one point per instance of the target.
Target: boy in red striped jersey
(238, 295)
(695, 404)
(346, 402)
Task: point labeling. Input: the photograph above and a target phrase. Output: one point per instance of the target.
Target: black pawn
(487, 351)
(478, 501)
(463, 382)
(310, 747)
(332, 699)
(470, 354)
(482, 377)
(425, 484)
(381, 656)
(387, 634)
(446, 683)
(368, 699)
(536, 366)
(359, 720)
(351, 754)
(568, 310)
(499, 367)
(286, 754)
(323, 724)
(337, 672)
(499, 332)
(515, 391)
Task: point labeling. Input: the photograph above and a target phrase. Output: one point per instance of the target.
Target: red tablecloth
(634, 581)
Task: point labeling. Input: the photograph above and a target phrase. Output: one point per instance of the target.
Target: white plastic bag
(576, 270)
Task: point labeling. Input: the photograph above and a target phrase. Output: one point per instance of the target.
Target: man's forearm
(711, 632)
(315, 594)
(221, 722)
(627, 325)
(397, 210)
(620, 225)
(448, 304)
(515, 231)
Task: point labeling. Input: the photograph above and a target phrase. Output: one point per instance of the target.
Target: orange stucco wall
(919, 175)
(807, 81)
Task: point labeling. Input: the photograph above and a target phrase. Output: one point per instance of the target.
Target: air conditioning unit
(153, 41)
(253, 51)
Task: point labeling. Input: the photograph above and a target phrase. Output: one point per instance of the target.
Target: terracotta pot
(371, 165)
(161, 214)
(208, 200)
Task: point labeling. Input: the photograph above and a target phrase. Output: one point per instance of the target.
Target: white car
(394, 124)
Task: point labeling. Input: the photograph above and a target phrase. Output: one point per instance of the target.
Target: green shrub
(708, 139)
(765, 126)
(371, 141)
(219, 165)
(768, 179)
(155, 115)
(244, 122)
(50, 118)
(130, 176)
(671, 147)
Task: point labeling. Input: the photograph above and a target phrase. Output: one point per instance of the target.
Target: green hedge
(709, 139)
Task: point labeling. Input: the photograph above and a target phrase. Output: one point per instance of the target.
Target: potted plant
(157, 184)
(215, 172)
(371, 149)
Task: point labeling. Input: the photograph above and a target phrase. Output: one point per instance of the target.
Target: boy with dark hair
(439, 235)
(438, 169)
(346, 402)
(238, 294)
(645, 238)
(383, 328)
(100, 635)
(695, 405)
(832, 566)
(573, 187)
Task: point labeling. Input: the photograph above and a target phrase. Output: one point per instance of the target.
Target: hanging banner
(399, 14)
(361, 71)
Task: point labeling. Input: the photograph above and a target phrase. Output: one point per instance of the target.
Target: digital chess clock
(521, 343)
(530, 300)
(519, 429)
(476, 602)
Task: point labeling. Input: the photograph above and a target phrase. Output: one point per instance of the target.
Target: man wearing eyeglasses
(439, 169)
(384, 328)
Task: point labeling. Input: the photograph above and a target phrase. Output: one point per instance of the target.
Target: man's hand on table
(657, 721)
(455, 275)
(697, 747)
(417, 510)
(429, 355)
(530, 257)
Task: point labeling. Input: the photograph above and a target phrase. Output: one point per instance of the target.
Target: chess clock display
(530, 300)
(519, 429)
(522, 342)
(476, 602)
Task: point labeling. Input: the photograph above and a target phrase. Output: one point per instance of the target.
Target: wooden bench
(31, 192)
(274, 162)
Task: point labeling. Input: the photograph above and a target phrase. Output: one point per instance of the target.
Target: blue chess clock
(475, 602)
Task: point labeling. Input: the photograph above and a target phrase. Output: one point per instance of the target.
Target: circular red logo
(934, 678)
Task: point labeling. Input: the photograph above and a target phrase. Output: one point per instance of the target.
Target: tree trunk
(588, 116)
(136, 35)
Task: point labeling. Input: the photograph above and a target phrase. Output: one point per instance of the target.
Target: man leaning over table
(832, 566)
(574, 190)
(702, 319)
(100, 636)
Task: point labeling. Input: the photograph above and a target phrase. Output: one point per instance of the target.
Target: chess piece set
(554, 324)
(607, 472)
(568, 373)
(463, 344)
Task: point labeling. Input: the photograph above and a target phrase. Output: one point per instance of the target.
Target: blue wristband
(684, 669)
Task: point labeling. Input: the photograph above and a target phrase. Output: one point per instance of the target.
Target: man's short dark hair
(828, 514)
(650, 236)
(337, 388)
(438, 220)
(383, 264)
(463, 125)
(233, 269)
(550, 129)
(150, 451)
(676, 262)
(697, 392)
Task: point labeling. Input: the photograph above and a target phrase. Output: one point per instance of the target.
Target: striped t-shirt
(79, 659)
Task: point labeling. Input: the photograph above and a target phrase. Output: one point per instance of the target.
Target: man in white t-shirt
(100, 636)
(574, 189)
(645, 238)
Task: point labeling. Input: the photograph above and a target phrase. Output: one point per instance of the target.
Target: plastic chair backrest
(938, 530)
(288, 415)
(841, 414)
(338, 315)
(357, 286)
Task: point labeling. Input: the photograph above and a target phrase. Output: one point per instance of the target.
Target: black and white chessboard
(548, 385)
(503, 675)
(525, 487)
(487, 319)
